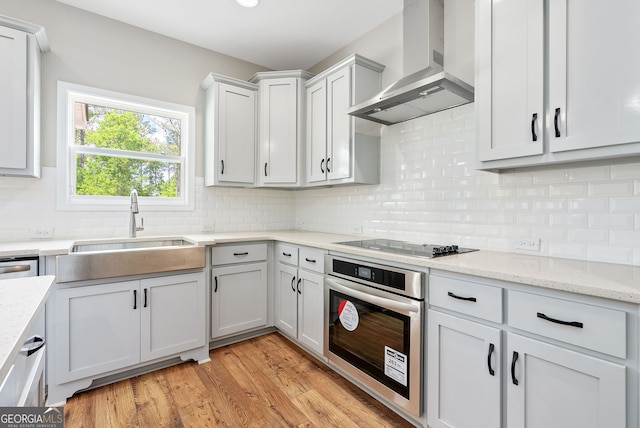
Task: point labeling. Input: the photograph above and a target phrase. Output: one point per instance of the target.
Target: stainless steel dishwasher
(18, 267)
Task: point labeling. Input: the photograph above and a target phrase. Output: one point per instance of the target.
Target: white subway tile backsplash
(611, 221)
(568, 190)
(610, 189)
(625, 205)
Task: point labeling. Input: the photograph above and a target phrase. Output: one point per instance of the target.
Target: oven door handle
(375, 300)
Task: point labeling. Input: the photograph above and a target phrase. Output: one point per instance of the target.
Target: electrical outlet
(356, 229)
(42, 232)
(531, 244)
(208, 227)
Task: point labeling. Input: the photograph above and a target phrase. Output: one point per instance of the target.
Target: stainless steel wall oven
(374, 317)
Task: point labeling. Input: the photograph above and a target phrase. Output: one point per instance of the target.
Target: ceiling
(277, 34)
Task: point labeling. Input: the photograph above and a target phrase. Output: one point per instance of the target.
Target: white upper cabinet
(21, 45)
(281, 102)
(551, 89)
(341, 149)
(230, 131)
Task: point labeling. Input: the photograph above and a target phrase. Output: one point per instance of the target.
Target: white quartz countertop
(21, 301)
(607, 280)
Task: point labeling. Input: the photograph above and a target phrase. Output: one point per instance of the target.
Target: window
(111, 143)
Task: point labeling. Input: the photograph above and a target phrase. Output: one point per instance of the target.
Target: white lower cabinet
(299, 304)
(552, 387)
(543, 366)
(104, 328)
(239, 298)
(464, 373)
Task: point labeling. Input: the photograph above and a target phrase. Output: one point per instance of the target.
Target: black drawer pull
(513, 368)
(145, 299)
(298, 285)
(328, 160)
(135, 299)
(491, 349)
(309, 260)
(534, 119)
(241, 254)
(556, 118)
(222, 169)
(32, 350)
(215, 287)
(569, 323)
(286, 254)
(293, 280)
(468, 299)
(322, 166)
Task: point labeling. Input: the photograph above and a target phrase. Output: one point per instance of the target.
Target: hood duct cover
(431, 88)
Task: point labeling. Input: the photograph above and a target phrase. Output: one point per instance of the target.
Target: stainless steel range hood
(432, 87)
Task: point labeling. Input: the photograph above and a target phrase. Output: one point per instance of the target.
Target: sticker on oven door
(348, 315)
(395, 365)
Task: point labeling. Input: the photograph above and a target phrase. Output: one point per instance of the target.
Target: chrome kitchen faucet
(132, 219)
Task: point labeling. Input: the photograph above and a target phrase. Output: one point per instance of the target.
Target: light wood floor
(261, 382)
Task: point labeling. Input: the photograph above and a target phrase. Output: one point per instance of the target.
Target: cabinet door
(173, 315)
(339, 125)
(597, 102)
(238, 298)
(510, 86)
(310, 290)
(13, 99)
(237, 134)
(558, 388)
(97, 329)
(286, 307)
(463, 373)
(279, 131)
(317, 132)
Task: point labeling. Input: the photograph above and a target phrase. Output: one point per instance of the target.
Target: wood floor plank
(253, 379)
(263, 382)
(185, 385)
(115, 406)
(154, 403)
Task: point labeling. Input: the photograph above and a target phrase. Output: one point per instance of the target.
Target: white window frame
(67, 200)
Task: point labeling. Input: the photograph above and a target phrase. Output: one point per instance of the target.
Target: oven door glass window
(371, 338)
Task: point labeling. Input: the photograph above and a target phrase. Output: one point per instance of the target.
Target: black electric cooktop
(407, 248)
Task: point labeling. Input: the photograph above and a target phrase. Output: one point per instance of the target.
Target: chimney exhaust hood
(429, 89)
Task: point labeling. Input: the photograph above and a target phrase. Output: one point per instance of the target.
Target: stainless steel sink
(128, 257)
(129, 245)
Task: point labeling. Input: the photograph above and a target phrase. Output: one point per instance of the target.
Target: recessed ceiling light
(248, 3)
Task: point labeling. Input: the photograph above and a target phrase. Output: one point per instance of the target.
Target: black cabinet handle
(286, 254)
(215, 286)
(468, 299)
(265, 169)
(328, 160)
(34, 339)
(513, 368)
(293, 280)
(222, 170)
(322, 166)
(241, 254)
(144, 305)
(298, 286)
(534, 119)
(556, 119)
(491, 349)
(135, 299)
(309, 260)
(569, 323)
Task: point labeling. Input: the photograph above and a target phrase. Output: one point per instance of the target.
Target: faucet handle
(141, 227)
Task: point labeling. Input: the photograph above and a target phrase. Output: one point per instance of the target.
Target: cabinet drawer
(240, 253)
(470, 298)
(286, 253)
(312, 259)
(593, 327)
